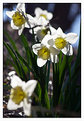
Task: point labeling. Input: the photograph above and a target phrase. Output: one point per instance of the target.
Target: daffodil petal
(41, 62)
(31, 20)
(46, 39)
(54, 58)
(16, 81)
(38, 11)
(42, 21)
(21, 30)
(27, 107)
(35, 30)
(36, 47)
(49, 16)
(54, 51)
(53, 30)
(26, 25)
(13, 26)
(10, 13)
(60, 33)
(30, 86)
(12, 106)
(45, 12)
(71, 38)
(21, 6)
(68, 50)
(11, 73)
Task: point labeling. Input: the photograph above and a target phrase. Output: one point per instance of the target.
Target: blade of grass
(16, 60)
(11, 40)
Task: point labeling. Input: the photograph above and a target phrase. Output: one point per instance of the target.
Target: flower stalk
(55, 84)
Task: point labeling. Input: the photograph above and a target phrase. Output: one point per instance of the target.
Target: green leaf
(13, 57)
(24, 62)
(11, 40)
(26, 46)
(16, 61)
(62, 69)
(48, 73)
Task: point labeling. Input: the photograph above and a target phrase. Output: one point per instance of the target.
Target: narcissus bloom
(42, 31)
(19, 18)
(45, 52)
(20, 93)
(62, 41)
(42, 16)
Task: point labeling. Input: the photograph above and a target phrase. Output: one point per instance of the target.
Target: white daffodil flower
(20, 93)
(19, 18)
(42, 31)
(42, 16)
(45, 52)
(62, 41)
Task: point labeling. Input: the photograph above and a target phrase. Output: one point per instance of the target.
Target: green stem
(47, 74)
(55, 85)
(44, 98)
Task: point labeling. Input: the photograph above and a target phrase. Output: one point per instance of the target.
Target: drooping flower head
(19, 18)
(20, 93)
(42, 16)
(62, 41)
(41, 32)
(45, 52)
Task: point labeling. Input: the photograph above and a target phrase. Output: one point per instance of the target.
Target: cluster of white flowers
(51, 42)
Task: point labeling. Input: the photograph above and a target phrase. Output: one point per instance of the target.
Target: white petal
(71, 38)
(46, 39)
(53, 30)
(45, 12)
(41, 62)
(30, 86)
(54, 58)
(35, 30)
(31, 19)
(11, 73)
(12, 106)
(21, 30)
(54, 36)
(26, 25)
(13, 26)
(16, 81)
(10, 13)
(27, 107)
(49, 16)
(60, 33)
(68, 50)
(38, 11)
(36, 47)
(42, 21)
(54, 51)
(21, 6)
